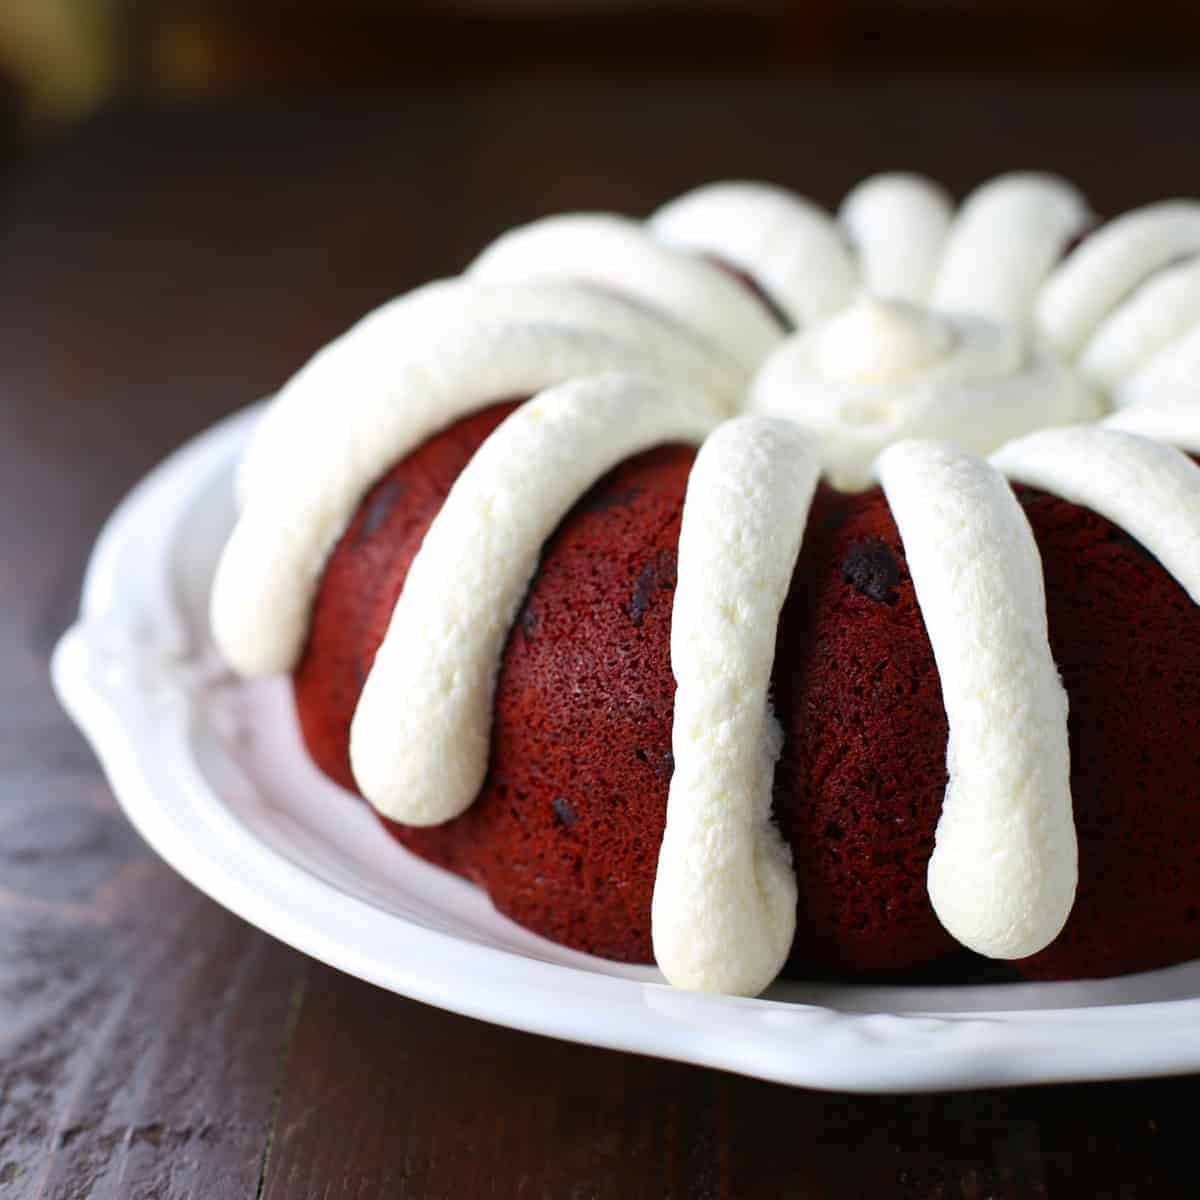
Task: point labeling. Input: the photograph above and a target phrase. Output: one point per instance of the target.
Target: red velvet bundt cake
(904, 658)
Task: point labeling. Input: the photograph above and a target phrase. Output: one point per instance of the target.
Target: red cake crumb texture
(566, 831)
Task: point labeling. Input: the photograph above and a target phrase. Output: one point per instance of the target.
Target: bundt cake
(755, 589)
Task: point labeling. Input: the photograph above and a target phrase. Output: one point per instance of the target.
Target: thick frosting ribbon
(268, 574)
(1004, 867)
(898, 224)
(1173, 371)
(1150, 490)
(1174, 420)
(1164, 309)
(1006, 237)
(788, 246)
(1108, 265)
(724, 908)
(365, 359)
(619, 254)
(419, 739)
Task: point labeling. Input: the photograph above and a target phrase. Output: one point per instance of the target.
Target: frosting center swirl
(878, 341)
(883, 370)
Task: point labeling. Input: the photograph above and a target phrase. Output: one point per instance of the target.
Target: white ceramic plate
(212, 774)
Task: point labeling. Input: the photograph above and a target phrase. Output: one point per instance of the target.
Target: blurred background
(323, 155)
(61, 59)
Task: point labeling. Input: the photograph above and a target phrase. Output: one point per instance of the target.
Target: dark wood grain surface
(159, 269)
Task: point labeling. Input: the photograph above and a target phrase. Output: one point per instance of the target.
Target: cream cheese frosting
(365, 360)
(1004, 866)
(268, 573)
(1149, 490)
(1172, 371)
(1107, 266)
(883, 370)
(1164, 309)
(621, 255)
(898, 224)
(927, 338)
(1002, 244)
(1174, 420)
(724, 908)
(419, 739)
(790, 247)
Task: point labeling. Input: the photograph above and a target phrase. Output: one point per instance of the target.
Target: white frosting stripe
(791, 248)
(419, 740)
(898, 224)
(1173, 371)
(1004, 241)
(1165, 308)
(1150, 490)
(271, 565)
(619, 254)
(1174, 420)
(885, 370)
(1003, 872)
(367, 357)
(1109, 264)
(724, 906)
(360, 357)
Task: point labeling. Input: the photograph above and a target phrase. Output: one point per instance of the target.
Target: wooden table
(159, 269)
